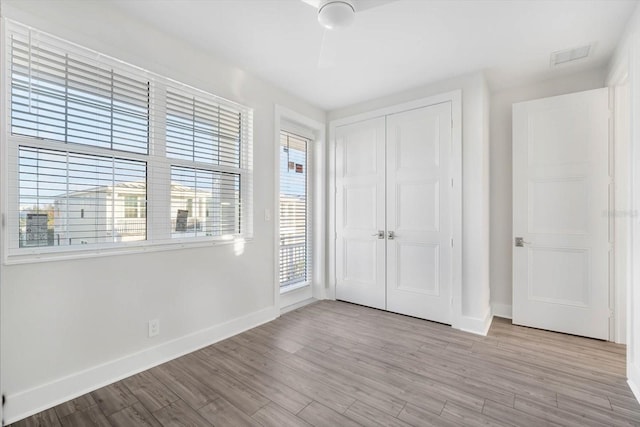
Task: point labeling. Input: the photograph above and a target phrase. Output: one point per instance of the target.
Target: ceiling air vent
(563, 56)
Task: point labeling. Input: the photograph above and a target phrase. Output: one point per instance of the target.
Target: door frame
(455, 98)
(618, 82)
(286, 119)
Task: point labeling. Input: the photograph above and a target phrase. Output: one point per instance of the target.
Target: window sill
(294, 287)
(67, 254)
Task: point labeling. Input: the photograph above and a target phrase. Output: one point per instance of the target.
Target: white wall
(475, 189)
(501, 174)
(69, 326)
(627, 61)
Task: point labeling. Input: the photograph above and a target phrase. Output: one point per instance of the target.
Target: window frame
(158, 165)
(287, 119)
(304, 134)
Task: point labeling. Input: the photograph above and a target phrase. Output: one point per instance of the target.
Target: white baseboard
(502, 310)
(37, 399)
(476, 325)
(297, 305)
(291, 298)
(634, 380)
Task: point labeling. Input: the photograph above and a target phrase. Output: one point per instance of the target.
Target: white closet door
(419, 253)
(360, 213)
(561, 188)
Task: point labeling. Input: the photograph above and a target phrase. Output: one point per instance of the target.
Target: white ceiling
(393, 47)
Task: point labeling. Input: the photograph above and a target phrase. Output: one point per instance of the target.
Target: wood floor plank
(179, 414)
(415, 385)
(467, 417)
(184, 385)
(551, 414)
(113, 398)
(135, 415)
(319, 415)
(513, 417)
(387, 400)
(339, 364)
(89, 417)
(355, 388)
(221, 413)
(594, 413)
(298, 380)
(273, 415)
(150, 391)
(240, 395)
(417, 416)
(369, 416)
(266, 385)
(47, 418)
(78, 404)
(631, 414)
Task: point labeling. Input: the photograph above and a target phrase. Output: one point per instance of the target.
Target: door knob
(391, 235)
(520, 242)
(379, 234)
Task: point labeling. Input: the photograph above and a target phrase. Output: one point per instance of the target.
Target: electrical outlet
(154, 327)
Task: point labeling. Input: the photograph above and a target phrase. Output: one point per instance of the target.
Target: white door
(393, 175)
(418, 213)
(360, 213)
(561, 188)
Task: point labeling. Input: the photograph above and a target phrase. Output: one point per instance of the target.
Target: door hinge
(452, 242)
(451, 182)
(611, 313)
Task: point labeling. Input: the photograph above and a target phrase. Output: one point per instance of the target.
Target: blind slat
(70, 88)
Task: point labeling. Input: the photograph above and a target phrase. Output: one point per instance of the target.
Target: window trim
(295, 296)
(158, 164)
(295, 130)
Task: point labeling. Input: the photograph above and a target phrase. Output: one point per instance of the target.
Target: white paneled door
(561, 189)
(360, 213)
(393, 212)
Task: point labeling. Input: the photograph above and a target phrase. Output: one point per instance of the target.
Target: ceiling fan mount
(336, 14)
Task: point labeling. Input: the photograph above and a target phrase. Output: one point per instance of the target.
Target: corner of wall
(633, 374)
(477, 325)
(502, 310)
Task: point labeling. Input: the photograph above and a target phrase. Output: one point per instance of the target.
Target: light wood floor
(338, 364)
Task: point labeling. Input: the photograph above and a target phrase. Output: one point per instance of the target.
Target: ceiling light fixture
(336, 14)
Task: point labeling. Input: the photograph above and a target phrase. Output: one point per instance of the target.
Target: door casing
(455, 97)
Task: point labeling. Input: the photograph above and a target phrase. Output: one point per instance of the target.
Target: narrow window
(295, 218)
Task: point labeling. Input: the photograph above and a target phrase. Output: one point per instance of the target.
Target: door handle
(391, 235)
(520, 242)
(379, 234)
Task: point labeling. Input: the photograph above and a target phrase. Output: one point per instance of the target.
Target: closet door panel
(418, 212)
(360, 213)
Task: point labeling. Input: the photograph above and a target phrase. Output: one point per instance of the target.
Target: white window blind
(295, 209)
(102, 154)
(62, 96)
(204, 202)
(203, 131)
(68, 198)
(206, 144)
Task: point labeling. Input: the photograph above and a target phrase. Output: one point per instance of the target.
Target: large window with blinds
(103, 154)
(295, 210)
